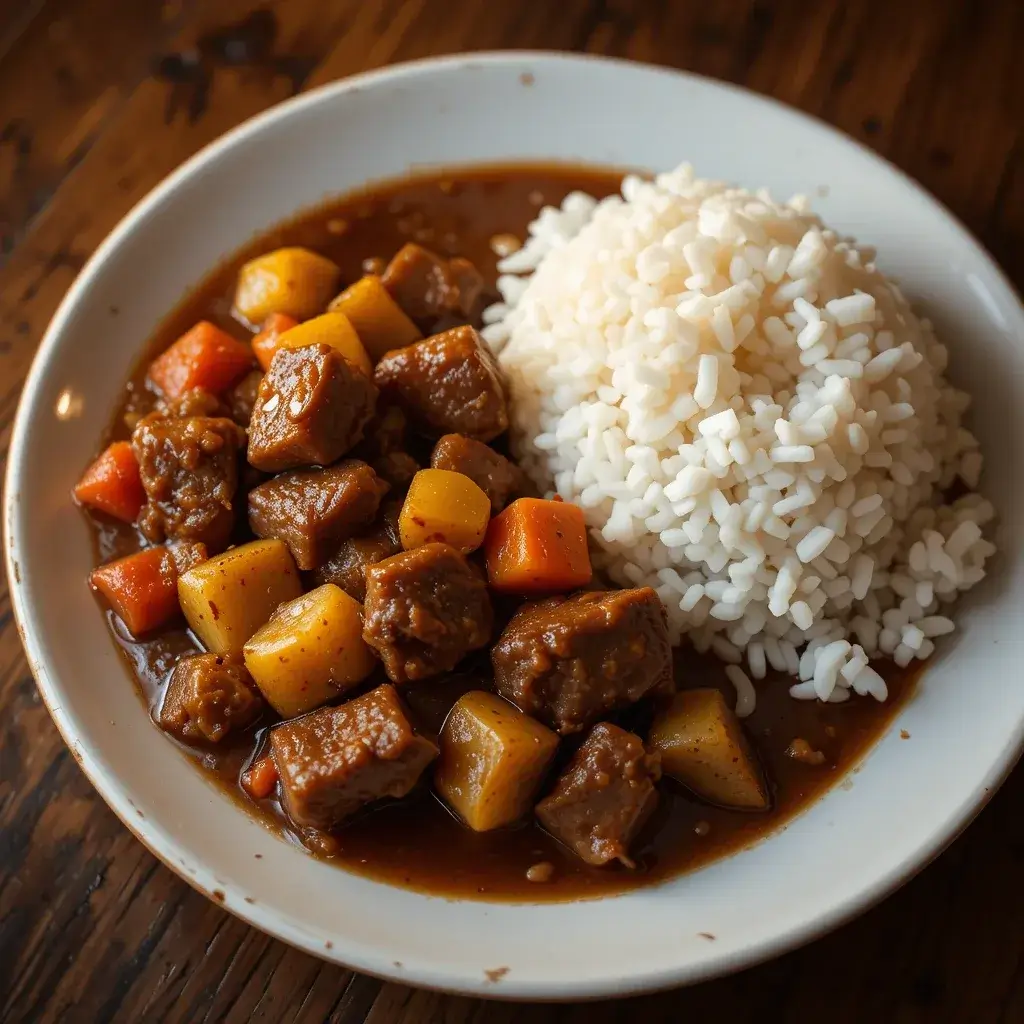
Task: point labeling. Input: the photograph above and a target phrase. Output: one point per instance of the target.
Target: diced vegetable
(493, 761)
(445, 507)
(333, 329)
(537, 546)
(260, 779)
(205, 357)
(228, 598)
(112, 484)
(140, 588)
(702, 744)
(311, 650)
(266, 343)
(293, 281)
(377, 318)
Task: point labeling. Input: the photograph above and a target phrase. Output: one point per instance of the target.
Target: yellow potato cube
(310, 651)
(444, 506)
(703, 746)
(377, 318)
(227, 598)
(334, 330)
(293, 281)
(493, 760)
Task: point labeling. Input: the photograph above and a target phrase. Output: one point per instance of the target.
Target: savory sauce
(417, 842)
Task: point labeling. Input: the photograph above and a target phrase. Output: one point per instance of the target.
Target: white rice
(754, 422)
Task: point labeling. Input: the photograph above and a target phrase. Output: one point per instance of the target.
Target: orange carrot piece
(537, 546)
(142, 589)
(205, 357)
(112, 484)
(260, 779)
(265, 343)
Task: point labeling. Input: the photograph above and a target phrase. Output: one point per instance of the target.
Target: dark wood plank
(111, 96)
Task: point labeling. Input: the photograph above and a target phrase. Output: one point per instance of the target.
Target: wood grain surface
(99, 100)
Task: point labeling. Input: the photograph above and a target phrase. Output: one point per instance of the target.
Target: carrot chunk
(267, 342)
(205, 357)
(142, 589)
(112, 484)
(537, 546)
(260, 779)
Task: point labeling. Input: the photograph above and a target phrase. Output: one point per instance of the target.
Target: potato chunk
(445, 507)
(703, 746)
(493, 760)
(292, 281)
(227, 598)
(334, 330)
(377, 318)
(310, 651)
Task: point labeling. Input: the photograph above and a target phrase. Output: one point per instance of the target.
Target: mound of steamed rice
(755, 423)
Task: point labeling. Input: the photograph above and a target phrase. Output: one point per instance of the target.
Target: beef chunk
(189, 470)
(495, 475)
(397, 470)
(194, 402)
(604, 797)
(425, 610)
(383, 447)
(311, 408)
(570, 661)
(449, 383)
(312, 510)
(242, 397)
(209, 695)
(347, 567)
(385, 434)
(428, 287)
(336, 760)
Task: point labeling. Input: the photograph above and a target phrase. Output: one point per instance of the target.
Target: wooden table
(99, 99)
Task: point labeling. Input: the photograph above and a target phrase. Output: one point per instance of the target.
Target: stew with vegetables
(339, 593)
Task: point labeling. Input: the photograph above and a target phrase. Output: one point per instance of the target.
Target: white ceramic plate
(909, 799)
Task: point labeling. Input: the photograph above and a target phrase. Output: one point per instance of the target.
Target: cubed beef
(450, 384)
(346, 568)
(570, 661)
(208, 696)
(311, 408)
(397, 470)
(384, 434)
(194, 402)
(428, 287)
(425, 610)
(495, 475)
(338, 759)
(604, 797)
(313, 510)
(189, 470)
(242, 397)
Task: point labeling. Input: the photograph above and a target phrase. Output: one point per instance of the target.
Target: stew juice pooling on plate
(341, 596)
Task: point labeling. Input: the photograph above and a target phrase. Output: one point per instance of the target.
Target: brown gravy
(416, 842)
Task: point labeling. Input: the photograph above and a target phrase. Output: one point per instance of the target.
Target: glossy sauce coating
(417, 842)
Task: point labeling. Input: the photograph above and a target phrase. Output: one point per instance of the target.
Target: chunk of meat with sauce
(209, 696)
(338, 759)
(429, 287)
(189, 470)
(570, 661)
(604, 797)
(425, 610)
(242, 397)
(495, 475)
(313, 510)
(311, 408)
(384, 447)
(449, 384)
(346, 568)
